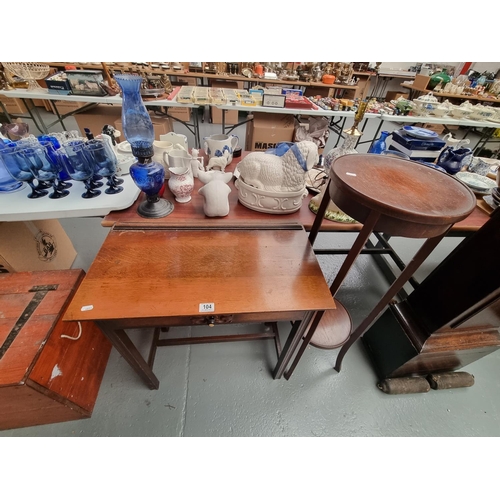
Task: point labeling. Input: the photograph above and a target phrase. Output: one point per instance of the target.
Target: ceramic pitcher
(216, 145)
(452, 160)
(178, 158)
(181, 183)
(161, 148)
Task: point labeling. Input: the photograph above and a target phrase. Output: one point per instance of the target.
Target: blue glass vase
(148, 175)
(379, 145)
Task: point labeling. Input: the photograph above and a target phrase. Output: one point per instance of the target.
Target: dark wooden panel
(466, 282)
(23, 406)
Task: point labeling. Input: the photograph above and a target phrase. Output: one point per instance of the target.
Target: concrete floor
(227, 389)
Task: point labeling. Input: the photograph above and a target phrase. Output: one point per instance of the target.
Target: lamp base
(155, 207)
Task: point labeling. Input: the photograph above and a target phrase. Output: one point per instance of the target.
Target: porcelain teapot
(452, 160)
(216, 145)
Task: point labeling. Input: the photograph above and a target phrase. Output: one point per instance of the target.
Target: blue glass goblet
(18, 168)
(104, 164)
(8, 184)
(108, 144)
(79, 166)
(45, 170)
(55, 145)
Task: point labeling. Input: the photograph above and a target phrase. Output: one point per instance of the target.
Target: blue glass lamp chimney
(136, 122)
(147, 174)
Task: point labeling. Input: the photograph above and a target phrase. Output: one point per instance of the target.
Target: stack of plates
(479, 184)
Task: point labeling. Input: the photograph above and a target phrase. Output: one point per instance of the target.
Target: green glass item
(441, 77)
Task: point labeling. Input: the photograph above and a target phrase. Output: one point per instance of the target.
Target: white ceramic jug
(216, 145)
(178, 158)
(160, 149)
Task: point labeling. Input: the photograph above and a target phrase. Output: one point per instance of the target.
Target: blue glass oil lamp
(147, 174)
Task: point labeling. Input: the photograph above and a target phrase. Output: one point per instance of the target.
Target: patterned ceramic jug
(217, 145)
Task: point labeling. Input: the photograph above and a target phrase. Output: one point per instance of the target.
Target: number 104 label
(207, 307)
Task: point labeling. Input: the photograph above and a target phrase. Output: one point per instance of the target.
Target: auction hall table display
(394, 196)
(337, 118)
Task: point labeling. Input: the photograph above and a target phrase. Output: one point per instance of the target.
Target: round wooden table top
(414, 200)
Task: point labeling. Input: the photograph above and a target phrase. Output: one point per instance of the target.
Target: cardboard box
(13, 106)
(267, 129)
(95, 118)
(231, 117)
(44, 377)
(421, 81)
(65, 107)
(435, 127)
(40, 245)
(189, 80)
(161, 124)
(391, 95)
(183, 114)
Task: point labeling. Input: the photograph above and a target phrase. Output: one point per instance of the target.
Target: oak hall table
(152, 277)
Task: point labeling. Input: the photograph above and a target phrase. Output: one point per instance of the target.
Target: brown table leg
(299, 328)
(319, 216)
(408, 271)
(315, 322)
(127, 349)
(355, 250)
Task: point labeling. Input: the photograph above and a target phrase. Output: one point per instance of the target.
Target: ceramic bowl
(460, 113)
(423, 108)
(439, 111)
(269, 202)
(482, 114)
(479, 184)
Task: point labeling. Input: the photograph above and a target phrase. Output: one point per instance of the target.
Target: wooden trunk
(46, 378)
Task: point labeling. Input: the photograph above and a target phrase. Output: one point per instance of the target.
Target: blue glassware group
(49, 161)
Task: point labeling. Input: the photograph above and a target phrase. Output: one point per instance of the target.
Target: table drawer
(206, 319)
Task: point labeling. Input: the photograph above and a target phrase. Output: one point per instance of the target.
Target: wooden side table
(151, 277)
(397, 197)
